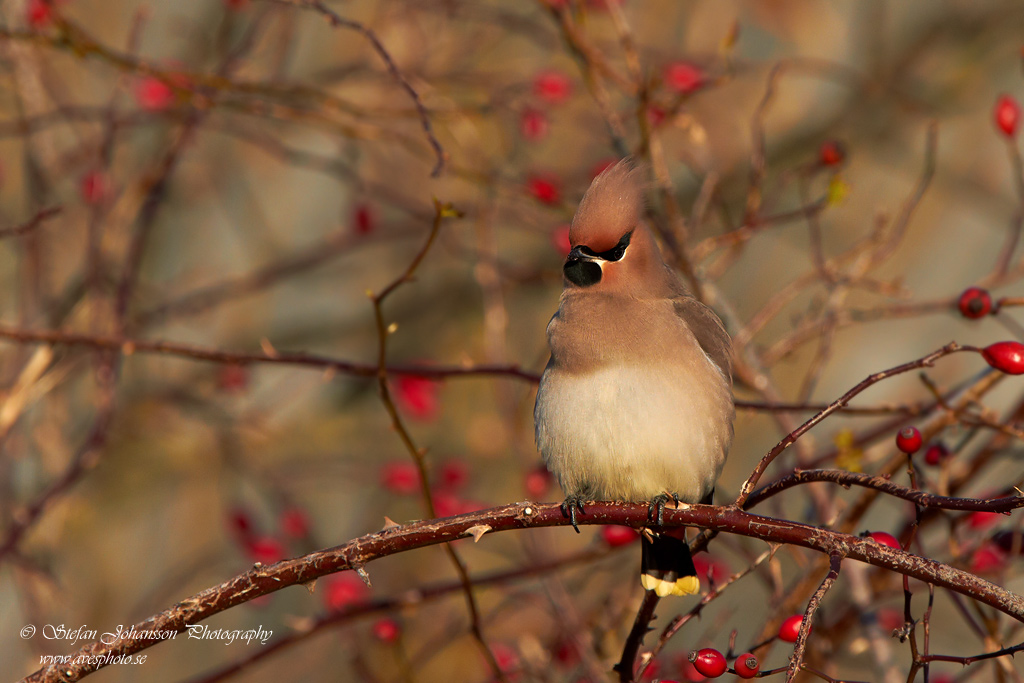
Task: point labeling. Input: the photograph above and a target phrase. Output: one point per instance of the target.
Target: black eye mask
(615, 253)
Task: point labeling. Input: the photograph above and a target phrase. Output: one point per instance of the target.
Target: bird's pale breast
(642, 422)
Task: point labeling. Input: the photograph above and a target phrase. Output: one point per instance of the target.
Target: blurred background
(234, 177)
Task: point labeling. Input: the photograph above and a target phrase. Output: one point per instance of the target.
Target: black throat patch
(582, 273)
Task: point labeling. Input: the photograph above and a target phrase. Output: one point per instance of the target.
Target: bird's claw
(656, 510)
(569, 508)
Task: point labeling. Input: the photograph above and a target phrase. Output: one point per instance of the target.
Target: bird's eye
(614, 254)
(619, 250)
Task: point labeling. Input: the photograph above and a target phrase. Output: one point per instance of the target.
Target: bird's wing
(708, 330)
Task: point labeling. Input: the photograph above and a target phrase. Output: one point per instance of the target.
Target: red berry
(689, 672)
(386, 630)
(908, 440)
(600, 167)
(707, 565)
(533, 124)
(266, 550)
(1007, 115)
(295, 523)
(980, 520)
(975, 302)
(400, 477)
(552, 86)
(567, 653)
(889, 619)
(505, 656)
(94, 187)
(683, 77)
(343, 590)
(935, 453)
(709, 662)
(152, 94)
(790, 628)
(987, 559)
(655, 115)
(615, 536)
(417, 396)
(232, 378)
(1007, 356)
(241, 523)
(447, 504)
(885, 538)
(538, 481)
(544, 188)
(39, 13)
(363, 220)
(746, 666)
(560, 239)
(831, 153)
(453, 474)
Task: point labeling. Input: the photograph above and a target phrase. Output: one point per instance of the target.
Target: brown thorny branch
(262, 580)
(354, 555)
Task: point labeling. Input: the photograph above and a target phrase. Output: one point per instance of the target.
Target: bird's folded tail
(666, 566)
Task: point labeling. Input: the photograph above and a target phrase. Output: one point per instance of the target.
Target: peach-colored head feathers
(610, 208)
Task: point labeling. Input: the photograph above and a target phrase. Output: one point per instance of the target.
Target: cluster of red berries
(266, 548)
(551, 88)
(402, 477)
(711, 663)
(975, 302)
(909, 440)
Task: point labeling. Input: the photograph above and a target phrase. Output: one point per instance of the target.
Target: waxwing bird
(636, 402)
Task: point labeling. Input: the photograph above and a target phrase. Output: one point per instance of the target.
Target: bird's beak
(577, 255)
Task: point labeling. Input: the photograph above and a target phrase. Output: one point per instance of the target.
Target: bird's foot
(656, 510)
(569, 508)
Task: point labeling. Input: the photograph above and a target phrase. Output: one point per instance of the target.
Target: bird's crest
(610, 208)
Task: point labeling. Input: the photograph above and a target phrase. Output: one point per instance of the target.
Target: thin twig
(796, 660)
(918, 497)
(442, 211)
(32, 223)
(337, 20)
(926, 361)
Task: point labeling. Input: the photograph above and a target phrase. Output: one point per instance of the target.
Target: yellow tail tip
(686, 585)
